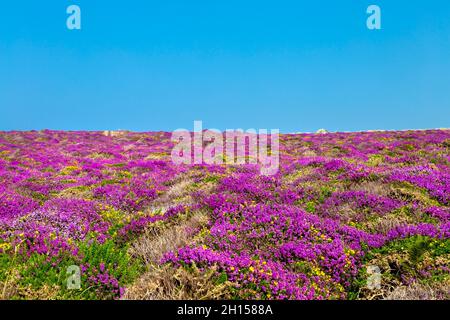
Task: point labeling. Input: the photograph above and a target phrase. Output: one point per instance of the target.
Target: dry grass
(373, 187)
(46, 292)
(156, 241)
(386, 223)
(308, 153)
(8, 288)
(165, 282)
(180, 191)
(419, 291)
(177, 193)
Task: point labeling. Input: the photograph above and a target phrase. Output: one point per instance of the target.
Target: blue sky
(160, 65)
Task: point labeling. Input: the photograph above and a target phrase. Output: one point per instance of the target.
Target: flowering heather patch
(340, 203)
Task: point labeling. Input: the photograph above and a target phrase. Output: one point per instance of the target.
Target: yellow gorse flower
(5, 246)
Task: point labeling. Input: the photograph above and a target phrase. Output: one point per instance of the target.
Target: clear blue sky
(159, 65)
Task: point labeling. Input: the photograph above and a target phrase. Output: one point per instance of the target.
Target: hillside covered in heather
(140, 227)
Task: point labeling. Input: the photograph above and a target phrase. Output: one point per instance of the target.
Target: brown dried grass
(164, 282)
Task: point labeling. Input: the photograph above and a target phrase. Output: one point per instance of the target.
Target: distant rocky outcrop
(115, 133)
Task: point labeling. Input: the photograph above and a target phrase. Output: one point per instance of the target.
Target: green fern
(417, 249)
